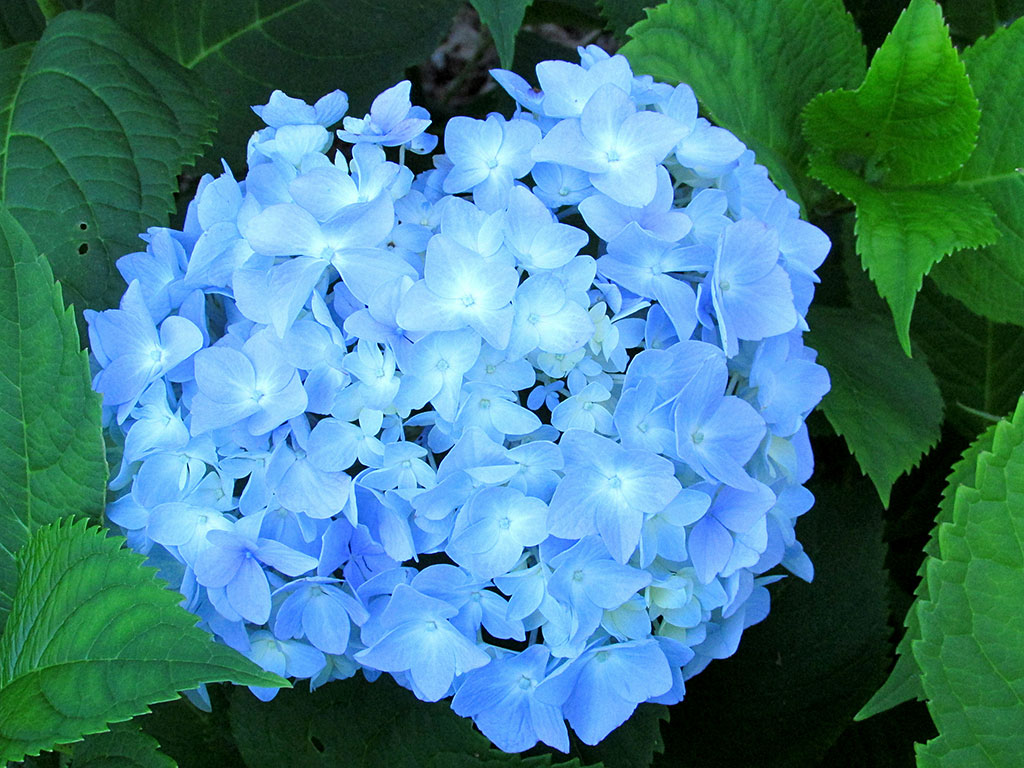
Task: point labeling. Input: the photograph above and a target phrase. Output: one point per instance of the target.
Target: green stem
(50, 8)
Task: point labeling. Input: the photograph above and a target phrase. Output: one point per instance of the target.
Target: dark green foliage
(889, 411)
(798, 677)
(243, 50)
(364, 725)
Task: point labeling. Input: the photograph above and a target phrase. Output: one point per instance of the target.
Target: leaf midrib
(254, 25)
(4, 153)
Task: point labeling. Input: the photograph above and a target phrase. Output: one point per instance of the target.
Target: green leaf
(20, 21)
(51, 443)
(991, 281)
(503, 19)
(622, 14)
(95, 638)
(971, 19)
(904, 682)
(633, 744)
(360, 724)
(123, 746)
(902, 231)
(914, 119)
(191, 736)
(971, 648)
(741, 60)
(886, 405)
(799, 675)
(95, 129)
(243, 49)
(977, 362)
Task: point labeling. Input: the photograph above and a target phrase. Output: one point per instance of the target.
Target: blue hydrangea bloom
(526, 429)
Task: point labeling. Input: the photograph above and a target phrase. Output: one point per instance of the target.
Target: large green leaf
(904, 682)
(991, 281)
(798, 676)
(503, 19)
(971, 649)
(977, 362)
(95, 638)
(123, 746)
(914, 119)
(360, 724)
(244, 49)
(51, 443)
(887, 406)
(742, 62)
(94, 129)
(913, 122)
(903, 231)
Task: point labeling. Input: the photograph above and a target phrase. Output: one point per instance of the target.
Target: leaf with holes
(51, 442)
(95, 638)
(94, 129)
(244, 49)
(886, 405)
(741, 61)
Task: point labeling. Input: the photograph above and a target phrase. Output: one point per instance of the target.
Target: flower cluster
(526, 429)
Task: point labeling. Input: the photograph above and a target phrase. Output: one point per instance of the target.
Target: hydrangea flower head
(525, 430)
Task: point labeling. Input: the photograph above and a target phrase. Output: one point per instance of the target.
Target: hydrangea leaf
(190, 735)
(95, 638)
(95, 129)
(362, 725)
(970, 19)
(990, 281)
(620, 15)
(971, 647)
(364, 49)
(503, 19)
(904, 682)
(799, 676)
(914, 119)
(890, 410)
(52, 461)
(903, 231)
(20, 21)
(125, 745)
(740, 60)
(634, 744)
(976, 361)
